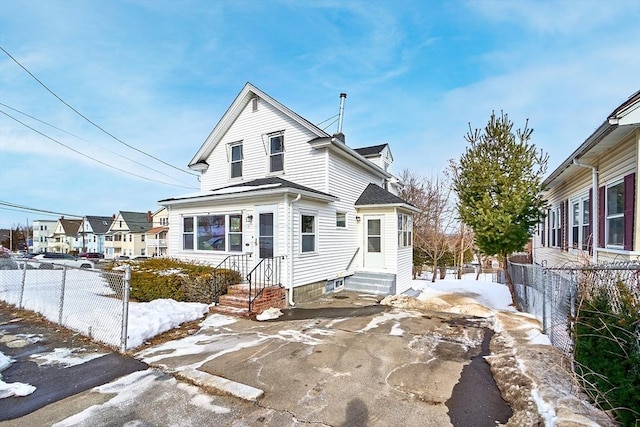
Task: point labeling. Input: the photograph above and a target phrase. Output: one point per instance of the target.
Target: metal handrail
(265, 274)
(353, 257)
(239, 263)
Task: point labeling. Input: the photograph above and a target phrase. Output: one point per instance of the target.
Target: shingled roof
(368, 151)
(376, 195)
(99, 224)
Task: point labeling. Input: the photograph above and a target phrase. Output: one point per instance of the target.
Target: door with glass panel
(373, 242)
(266, 232)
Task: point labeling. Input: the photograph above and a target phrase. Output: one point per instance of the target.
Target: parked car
(7, 263)
(91, 255)
(52, 259)
(121, 258)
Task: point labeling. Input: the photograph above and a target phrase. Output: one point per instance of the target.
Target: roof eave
(389, 205)
(252, 194)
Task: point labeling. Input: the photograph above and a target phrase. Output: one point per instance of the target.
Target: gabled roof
(99, 224)
(245, 96)
(156, 230)
(70, 227)
(369, 151)
(375, 195)
(621, 122)
(262, 186)
(136, 221)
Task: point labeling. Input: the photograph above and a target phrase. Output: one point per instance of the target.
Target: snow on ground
(534, 377)
(15, 388)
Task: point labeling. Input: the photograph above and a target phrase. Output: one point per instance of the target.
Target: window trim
(227, 233)
(272, 155)
(338, 226)
(405, 230)
(583, 239)
(315, 232)
(555, 228)
(608, 218)
(232, 162)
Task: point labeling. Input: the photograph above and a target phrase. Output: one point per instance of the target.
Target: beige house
(593, 195)
(127, 235)
(157, 236)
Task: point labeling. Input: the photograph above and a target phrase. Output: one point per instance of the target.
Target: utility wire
(91, 158)
(332, 117)
(89, 142)
(325, 128)
(88, 120)
(43, 211)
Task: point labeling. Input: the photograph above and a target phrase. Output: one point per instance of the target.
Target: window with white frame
(341, 220)
(615, 215)
(555, 227)
(213, 233)
(187, 232)
(580, 220)
(236, 157)
(405, 229)
(308, 233)
(276, 153)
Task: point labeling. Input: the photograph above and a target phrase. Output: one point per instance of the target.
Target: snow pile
(146, 320)
(66, 357)
(12, 389)
(534, 377)
(270, 313)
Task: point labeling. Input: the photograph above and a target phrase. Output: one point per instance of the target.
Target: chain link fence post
(545, 284)
(64, 279)
(126, 283)
(24, 281)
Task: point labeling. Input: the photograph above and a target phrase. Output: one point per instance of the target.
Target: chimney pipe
(343, 96)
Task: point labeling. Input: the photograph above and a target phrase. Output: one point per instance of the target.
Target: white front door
(374, 242)
(266, 232)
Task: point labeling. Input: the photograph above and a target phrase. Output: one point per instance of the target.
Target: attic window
(254, 104)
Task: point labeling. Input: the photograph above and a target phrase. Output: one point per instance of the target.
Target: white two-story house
(274, 185)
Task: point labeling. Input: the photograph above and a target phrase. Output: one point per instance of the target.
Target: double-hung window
(308, 233)
(341, 220)
(580, 219)
(615, 215)
(187, 233)
(555, 227)
(236, 159)
(276, 153)
(405, 225)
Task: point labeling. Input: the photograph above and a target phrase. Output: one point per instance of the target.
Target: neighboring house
(594, 213)
(42, 230)
(92, 233)
(157, 236)
(274, 185)
(127, 235)
(64, 238)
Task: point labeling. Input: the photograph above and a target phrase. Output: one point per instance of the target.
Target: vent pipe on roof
(343, 96)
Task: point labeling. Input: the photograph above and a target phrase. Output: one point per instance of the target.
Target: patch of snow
(217, 321)
(270, 313)
(64, 356)
(545, 409)
(384, 318)
(396, 330)
(12, 389)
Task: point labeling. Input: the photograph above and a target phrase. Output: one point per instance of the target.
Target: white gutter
(594, 207)
(290, 250)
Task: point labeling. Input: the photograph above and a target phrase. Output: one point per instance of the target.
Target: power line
(91, 158)
(30, 209)
(82, 139)
(88, 120)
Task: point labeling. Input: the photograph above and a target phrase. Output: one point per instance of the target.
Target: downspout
(290, 254)
(594, 207)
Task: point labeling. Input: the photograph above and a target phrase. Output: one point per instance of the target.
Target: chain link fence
(553, 293)
(92, 302)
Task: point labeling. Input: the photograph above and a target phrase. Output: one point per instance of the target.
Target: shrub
(607, 350)
(157, 278)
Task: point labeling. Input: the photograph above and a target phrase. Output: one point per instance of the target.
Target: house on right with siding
(593, 214)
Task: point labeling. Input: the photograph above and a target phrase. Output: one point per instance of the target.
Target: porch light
(357, 218)
(249, 219)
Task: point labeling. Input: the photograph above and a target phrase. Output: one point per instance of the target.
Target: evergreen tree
(499, 185)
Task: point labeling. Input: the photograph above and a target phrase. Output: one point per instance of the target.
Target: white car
(52, 259)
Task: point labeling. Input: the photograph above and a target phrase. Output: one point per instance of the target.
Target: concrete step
(372, 283)
(230, 311)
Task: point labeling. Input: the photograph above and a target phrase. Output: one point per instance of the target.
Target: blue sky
(159, 74)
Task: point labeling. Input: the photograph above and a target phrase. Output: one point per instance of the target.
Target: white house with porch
(284, 198)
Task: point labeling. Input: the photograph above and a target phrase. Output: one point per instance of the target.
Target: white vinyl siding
(302, 164)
